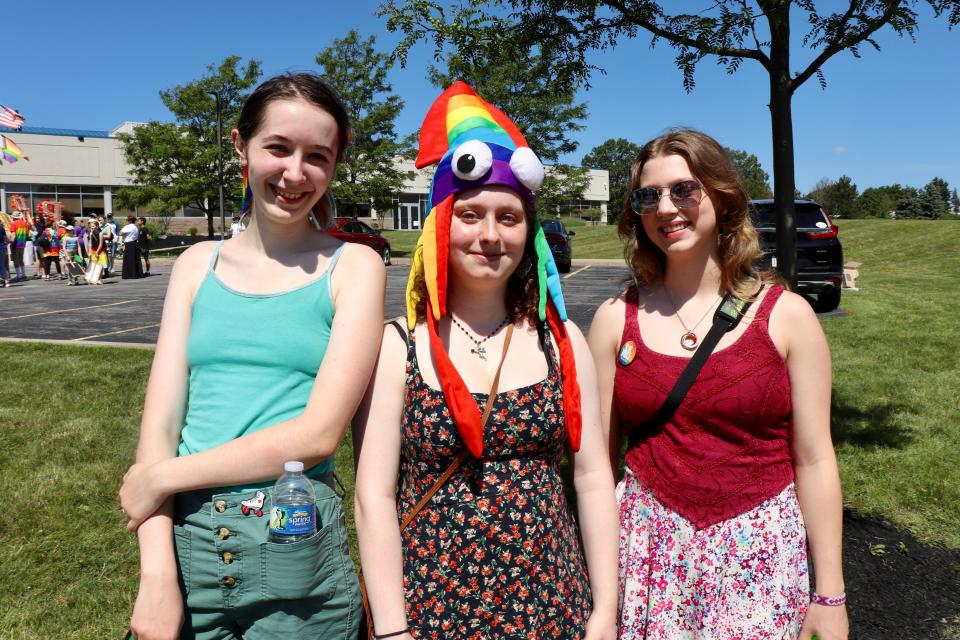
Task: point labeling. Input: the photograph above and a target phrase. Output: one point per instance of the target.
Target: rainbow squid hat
(477, 145)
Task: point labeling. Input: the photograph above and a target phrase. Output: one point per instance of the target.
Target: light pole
(216, 94)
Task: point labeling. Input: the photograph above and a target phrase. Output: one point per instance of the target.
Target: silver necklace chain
(480, 350)
(689, 339)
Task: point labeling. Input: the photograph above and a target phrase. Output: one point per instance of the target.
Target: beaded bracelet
(829, 601)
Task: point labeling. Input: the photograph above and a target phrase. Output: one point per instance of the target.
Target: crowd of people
(464, 411)
(78, 250)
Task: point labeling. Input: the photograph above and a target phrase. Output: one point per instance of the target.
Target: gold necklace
(689, 339)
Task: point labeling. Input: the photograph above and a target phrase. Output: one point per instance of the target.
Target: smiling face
(674, 230)
(488, 234)
(290, 159)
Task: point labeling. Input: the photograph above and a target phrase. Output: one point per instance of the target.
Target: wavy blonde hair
(738, 245)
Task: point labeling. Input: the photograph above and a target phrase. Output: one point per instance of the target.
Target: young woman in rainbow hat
(494, 553)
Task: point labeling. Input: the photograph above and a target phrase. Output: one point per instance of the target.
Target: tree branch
(684, 41)
(841, 41)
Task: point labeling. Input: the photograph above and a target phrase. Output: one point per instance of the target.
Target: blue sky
(892, 116)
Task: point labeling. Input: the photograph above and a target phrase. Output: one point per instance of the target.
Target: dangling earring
(313, 220)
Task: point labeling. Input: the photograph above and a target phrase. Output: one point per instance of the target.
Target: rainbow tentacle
(568, 371)
(247, 193)
(460, 402)
(548, 276)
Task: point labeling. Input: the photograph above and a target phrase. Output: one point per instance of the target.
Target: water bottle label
(293, 520)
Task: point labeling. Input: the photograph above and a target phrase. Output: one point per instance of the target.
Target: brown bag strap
(463, 453)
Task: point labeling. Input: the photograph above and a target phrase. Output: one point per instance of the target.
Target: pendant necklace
(480, 350)
(689, 339)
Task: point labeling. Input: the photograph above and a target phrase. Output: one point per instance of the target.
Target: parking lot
(128, 311)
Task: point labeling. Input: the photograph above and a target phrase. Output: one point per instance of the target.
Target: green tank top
(253, 358)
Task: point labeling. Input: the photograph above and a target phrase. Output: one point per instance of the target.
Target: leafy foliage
(368, 174)
(520, 84)
(840, 199)
(755, 181)
(562, 184)
(616, 155)
(174, 164)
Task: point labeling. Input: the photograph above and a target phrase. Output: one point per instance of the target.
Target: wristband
(390, 635)
(829, 601)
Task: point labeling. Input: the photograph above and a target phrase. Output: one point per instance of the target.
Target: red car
(350, 230)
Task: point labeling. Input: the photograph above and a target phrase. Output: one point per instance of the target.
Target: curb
(80, 343)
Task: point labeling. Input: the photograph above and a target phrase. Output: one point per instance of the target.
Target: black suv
(559, 240)
(819, 252)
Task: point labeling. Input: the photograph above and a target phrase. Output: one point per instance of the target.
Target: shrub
(192, 231)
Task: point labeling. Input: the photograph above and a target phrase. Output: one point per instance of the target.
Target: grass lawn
(70, 569)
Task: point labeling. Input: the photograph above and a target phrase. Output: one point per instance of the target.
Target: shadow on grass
(867, 425)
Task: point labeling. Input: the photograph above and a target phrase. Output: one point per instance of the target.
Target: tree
(819, 192)
(729, 30)
(880, 202)
(368, 174)
(934, 199)
(955, 201)
(616, 155)
(174, 164)
(755, 181)
(909, 205)
(521, 85)
(840, 199)
(562, 184)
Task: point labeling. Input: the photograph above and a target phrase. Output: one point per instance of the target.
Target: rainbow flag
(11, 151)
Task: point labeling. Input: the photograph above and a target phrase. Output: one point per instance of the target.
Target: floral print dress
(495, 554)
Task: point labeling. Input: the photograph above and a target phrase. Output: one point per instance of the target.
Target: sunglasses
(684, 195)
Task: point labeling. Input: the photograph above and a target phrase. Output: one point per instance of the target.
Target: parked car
(559, 240)
(350, 230)
(819, 252)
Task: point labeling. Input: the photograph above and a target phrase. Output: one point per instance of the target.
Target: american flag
(10, 118)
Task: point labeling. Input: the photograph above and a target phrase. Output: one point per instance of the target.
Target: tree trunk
(210, 225)
(781, 118)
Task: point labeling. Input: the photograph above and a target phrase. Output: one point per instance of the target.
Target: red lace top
(727, 448)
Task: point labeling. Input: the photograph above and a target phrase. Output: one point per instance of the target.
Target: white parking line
(47, 313)
(113, 333)
(570, 275)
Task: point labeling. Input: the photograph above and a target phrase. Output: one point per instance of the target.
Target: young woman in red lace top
(718, 505)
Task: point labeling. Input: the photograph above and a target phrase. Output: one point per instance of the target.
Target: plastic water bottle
(293, 510)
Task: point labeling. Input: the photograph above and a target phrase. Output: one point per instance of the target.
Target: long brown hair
(523, 288)
(738, 245)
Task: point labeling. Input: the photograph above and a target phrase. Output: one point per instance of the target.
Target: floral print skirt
(745, 578)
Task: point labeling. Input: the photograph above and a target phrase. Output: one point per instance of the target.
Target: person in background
(70, 255)
(81, 231)
(6, 237)
(130, 238)
(112, 231)
(39, 240)
(225, 409)
(144, 243)
(236, 227)
(720, 500)
(96, 246)
(54, 235)
(21, 233)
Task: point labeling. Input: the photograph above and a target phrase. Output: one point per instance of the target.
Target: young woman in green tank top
(266, 345)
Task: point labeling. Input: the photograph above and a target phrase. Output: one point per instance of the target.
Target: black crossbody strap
(726, 318)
